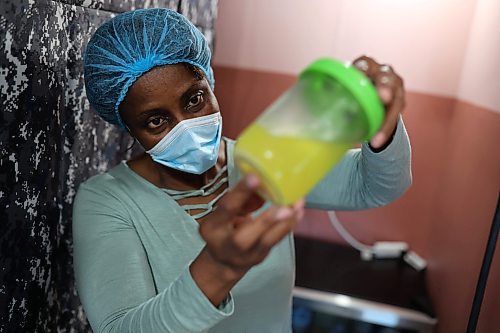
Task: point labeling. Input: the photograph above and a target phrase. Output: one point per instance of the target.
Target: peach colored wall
(258, 34)
(424, 39)
(462, 213)
(480, 79)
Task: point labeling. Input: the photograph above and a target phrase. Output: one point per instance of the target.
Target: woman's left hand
(391, 91)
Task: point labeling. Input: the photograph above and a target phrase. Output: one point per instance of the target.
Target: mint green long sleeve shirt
(133, 245)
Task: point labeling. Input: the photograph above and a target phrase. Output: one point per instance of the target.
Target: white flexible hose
(363, 248)
(385, 249)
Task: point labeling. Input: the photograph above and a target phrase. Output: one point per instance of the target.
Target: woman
(174, 240)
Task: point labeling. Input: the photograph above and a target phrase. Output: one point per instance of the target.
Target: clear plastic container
(301, 136)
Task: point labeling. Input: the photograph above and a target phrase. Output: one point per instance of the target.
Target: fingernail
(362, 65)
(283, 213)
(385, 94)
(252, 181)
(378, 140)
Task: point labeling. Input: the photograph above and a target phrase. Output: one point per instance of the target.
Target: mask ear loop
(133, 142)
(131, 146)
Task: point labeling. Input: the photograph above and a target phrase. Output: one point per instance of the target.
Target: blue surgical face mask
(191, 146)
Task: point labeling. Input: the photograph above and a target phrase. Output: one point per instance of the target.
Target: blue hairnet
(132, 43)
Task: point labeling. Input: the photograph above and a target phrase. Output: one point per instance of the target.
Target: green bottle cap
(354, 81)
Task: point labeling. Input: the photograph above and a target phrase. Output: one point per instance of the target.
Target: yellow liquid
(289, 167)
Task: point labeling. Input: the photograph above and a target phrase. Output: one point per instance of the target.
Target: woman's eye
(195, 100)
(156, 122)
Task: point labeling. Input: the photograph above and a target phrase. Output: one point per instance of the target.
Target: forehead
(167, 79)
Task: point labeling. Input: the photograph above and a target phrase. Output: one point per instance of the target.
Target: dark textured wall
(49, 143)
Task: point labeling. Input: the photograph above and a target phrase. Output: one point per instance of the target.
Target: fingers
(390, 88)
(239, 200)
(252, 204)
(367, 65)
(248, 243)
(385, 79)
(299, 207)
(390, 122)
(279, 230)
(230, 212)
(269, 227)
(386, 82)
(249, 234)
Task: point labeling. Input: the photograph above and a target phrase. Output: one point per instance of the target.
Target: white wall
(480, 80)
(274, 35)
(425, 40)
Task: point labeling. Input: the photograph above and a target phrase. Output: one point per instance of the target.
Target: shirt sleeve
(365, 179)
(115, 282)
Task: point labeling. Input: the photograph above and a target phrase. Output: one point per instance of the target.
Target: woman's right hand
(235, 241)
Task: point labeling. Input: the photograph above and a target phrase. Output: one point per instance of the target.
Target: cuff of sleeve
(204, 314)
(393, 147)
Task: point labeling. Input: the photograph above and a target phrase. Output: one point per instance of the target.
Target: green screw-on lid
(357, 84)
